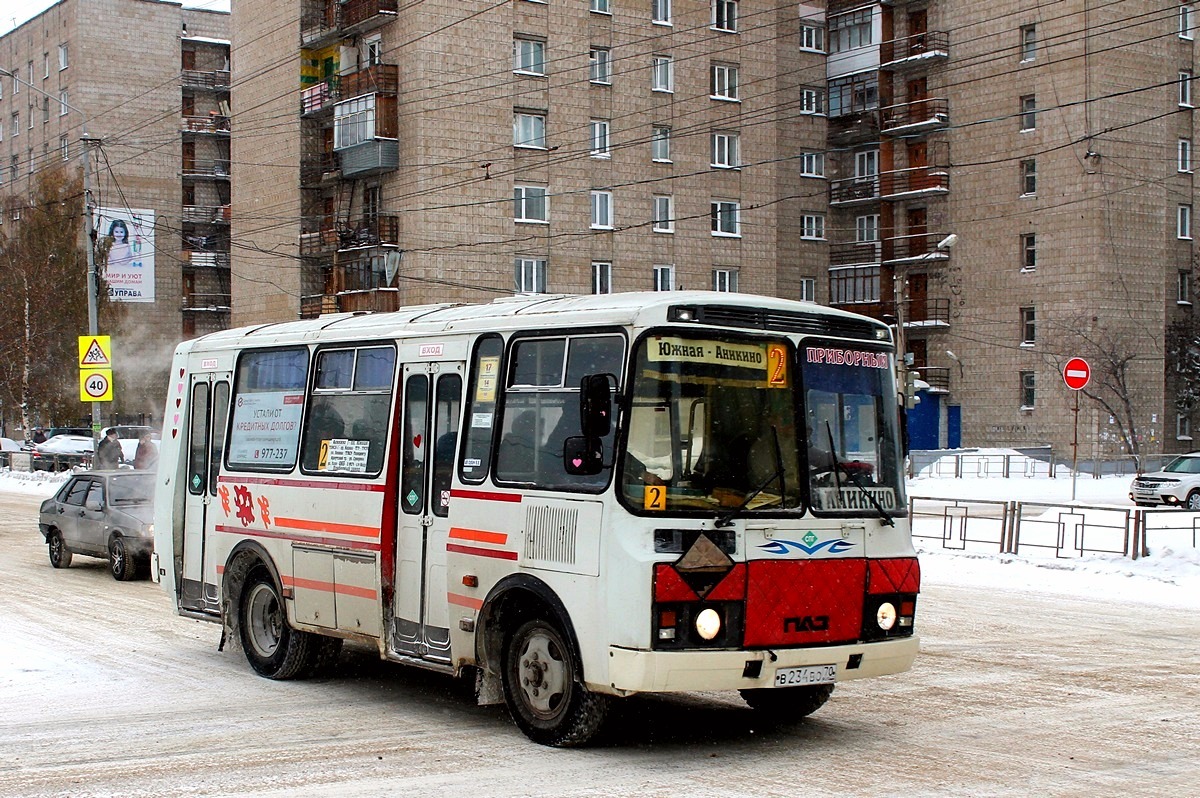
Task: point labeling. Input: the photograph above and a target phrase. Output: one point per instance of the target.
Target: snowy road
(104, 692)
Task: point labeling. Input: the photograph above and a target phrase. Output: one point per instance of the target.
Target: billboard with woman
(129, 235)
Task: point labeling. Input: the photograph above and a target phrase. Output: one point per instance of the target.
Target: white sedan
(62, 452)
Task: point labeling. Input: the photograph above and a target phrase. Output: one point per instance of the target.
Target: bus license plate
(811, 674)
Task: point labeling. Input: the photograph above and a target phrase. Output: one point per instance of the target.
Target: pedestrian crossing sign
(95, 351)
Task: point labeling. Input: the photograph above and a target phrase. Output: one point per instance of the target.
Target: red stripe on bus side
(329, 587)
(478, 552)
(304, 483)
(328, 526)
(484, 495)
(478, 535)
(263, 533)
(464, 601)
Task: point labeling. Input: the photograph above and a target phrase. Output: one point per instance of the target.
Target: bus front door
(432, 407)
(207, 413)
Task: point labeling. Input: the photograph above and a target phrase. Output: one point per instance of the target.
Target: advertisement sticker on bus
(267, 427)
(485, 386)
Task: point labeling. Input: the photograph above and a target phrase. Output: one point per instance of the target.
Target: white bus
(577, 498)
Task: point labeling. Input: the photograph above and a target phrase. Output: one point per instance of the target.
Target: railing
(938, 377)
(207, 214)
(216, 79)
(360, 12)
(358, 275)
(313, 305)
(318, 242)
(377, 78)
(917, 246)
(915, 180)
(319, 96)
(210, 167)
(213, 123)
(206, 260)
(932, 112)
(852, 253)
(854, 189)
(371, 231)
(315, 171)
(376, 300)
(918, 47)
(219, 303)
(962, 523)
(926, 312)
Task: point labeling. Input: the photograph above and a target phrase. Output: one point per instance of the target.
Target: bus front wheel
(543, 690)
(273, 648)
(788, 703)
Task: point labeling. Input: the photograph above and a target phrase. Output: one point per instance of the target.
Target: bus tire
(543, 689)
(273, 648)
(120, 562)
(60, 555)
(787, 703)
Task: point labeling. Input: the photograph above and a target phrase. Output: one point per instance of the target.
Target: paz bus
(572, 498)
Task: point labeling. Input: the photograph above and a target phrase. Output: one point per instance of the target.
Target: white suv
(1178, 484)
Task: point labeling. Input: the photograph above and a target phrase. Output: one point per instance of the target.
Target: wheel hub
(543, 675)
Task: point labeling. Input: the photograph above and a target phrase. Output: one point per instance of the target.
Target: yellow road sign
(95, 385)
(95, 351)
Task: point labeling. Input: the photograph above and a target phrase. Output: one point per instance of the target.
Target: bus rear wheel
(783, 704)
(543, 690)
(273, 648)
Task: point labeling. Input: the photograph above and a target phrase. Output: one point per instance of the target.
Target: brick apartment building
(397, 153)
(150, 81)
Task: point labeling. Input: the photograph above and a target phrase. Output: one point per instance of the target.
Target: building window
(602, 210)
(664, 278)
(726, 218)
(854, 94)
(724, 82)
(1183, 427)
(1028, 252)
(725, 280)
(529, 275)
(812, 226)
(1028, 326)
(64, 148)
(850, 31)
(16, 123)
(811, 101)
(812, 164)
(1028, 390)
(373, 50)
(529, 56)
(62, 57)
(1185, 88)
(725, 15)
(725, 151)
(354, 121)
(599, 65)
(866, 164)
(15, 170)
(662, 76)
(853, 285)
(660, 144)
(599, 147)
(1028, 178)
(1183, 288)
(30, 116)
(812, 38)
(808, 289)
(529, 130)
(1186, 20)
(601, 277)
(16, 83)
(664, 213)
(600, 6)
(45, 65)
(1184, 227)
(1185, 155)
(1029, 112)
(46, 108)
(866, 228)
(1028, 42)
(530, 204)
(63, 105)
(660, 12)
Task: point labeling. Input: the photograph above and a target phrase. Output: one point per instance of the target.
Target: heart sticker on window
(417, 441)
(577, 462)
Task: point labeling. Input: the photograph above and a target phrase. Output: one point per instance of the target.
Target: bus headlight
(708, 624)
(886, 616)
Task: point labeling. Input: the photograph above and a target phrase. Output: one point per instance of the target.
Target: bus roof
(540, 311)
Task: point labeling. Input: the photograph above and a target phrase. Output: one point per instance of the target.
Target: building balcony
(318, 97)
(912, 248)
(205, 80)
(319, 23)
(926, 313)
(322, 23)
(938, 378)
(853, 190)
(206, 260)
(206, 169)
(370, 157)
(374, 231)
(360, 16)
(206, 214)
(914, 52)
(918, 116)
(319, 171)
(319, 242)
(375, 79)
(854, 253)
(205, 303)
(214, 124)
(918, 181)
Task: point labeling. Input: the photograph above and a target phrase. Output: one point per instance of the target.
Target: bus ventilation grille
(785, 321)
(550, 534)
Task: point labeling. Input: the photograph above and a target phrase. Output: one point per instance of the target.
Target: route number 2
(655, 497)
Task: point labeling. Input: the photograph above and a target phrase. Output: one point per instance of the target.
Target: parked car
(108, 514)
(85, 432)
(1178, 484)
(62, 452)
(9, 445)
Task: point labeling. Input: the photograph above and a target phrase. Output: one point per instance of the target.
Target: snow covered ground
(1168, 577)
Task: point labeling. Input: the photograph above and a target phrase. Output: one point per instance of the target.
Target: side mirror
(595, 406)
(94, 506)
(583, 456)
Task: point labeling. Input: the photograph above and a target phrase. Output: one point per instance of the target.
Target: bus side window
(345, 428)
(449, 400)
(481, 413)
(413, 444)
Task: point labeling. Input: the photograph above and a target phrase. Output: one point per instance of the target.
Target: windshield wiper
(726, 518)
(838, 466)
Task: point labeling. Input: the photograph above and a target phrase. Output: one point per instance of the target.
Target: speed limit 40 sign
(95, 385)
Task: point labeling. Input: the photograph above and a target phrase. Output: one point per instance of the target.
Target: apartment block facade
(147, 83)
(1010, 183)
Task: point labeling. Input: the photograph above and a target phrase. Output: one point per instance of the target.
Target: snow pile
(36, 483)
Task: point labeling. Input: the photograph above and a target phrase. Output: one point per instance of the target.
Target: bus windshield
(732, 424)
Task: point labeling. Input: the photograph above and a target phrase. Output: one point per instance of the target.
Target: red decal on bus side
(464, 601)
(328, 526)
(478, 535)
(332, 542)
(329, 587)
(484, 495)
(478, 552)
(304, 483)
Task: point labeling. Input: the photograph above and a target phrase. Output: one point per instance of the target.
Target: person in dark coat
(108, 454)
(39, 435)
(146, 457)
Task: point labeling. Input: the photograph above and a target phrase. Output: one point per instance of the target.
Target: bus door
(207, 414)
(432, 407)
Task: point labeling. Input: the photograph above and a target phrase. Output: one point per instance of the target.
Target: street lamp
(92, 280)
(899, 297)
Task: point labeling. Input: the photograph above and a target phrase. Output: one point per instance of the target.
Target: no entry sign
(1077, 373)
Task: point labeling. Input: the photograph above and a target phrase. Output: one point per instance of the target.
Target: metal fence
(1011, 527)
(1034, 462)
